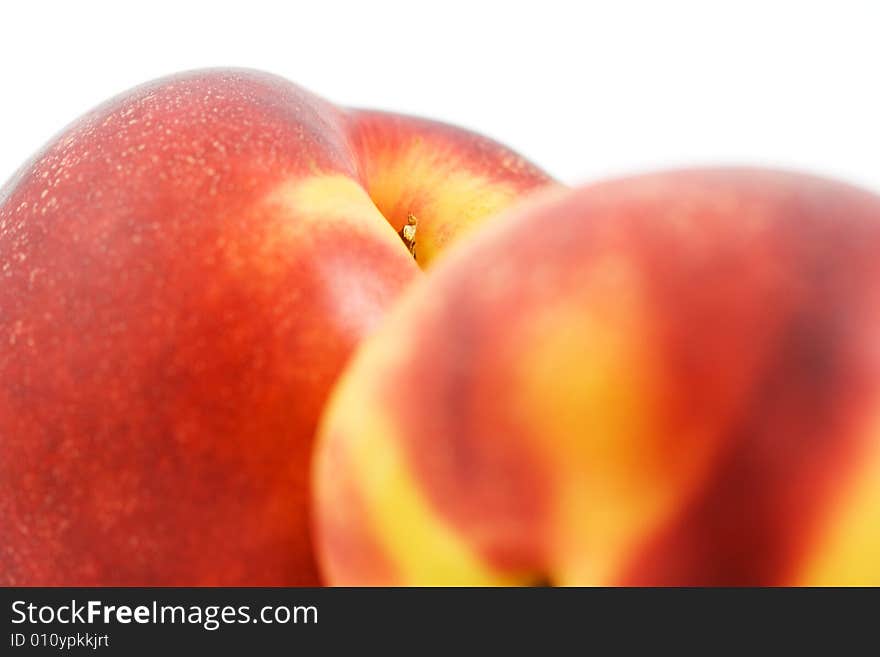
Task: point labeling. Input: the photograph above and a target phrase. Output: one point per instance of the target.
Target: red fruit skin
(183, 274)
(667, 379)
(169, 332)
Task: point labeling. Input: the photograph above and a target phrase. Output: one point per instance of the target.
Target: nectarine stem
(408, 233)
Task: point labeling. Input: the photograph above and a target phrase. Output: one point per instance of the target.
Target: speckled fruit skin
(183, 273)
(671, 379)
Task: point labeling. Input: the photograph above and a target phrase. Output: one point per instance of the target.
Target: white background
(585, 89)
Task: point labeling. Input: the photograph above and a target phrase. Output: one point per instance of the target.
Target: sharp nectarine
(183, 273)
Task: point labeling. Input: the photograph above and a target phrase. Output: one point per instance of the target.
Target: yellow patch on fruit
(849, 553)
(330, 198)
(423, 548)
(448, 198)
(592, 396)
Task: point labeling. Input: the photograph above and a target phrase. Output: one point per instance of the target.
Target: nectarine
(183, 273)
(671, 379)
